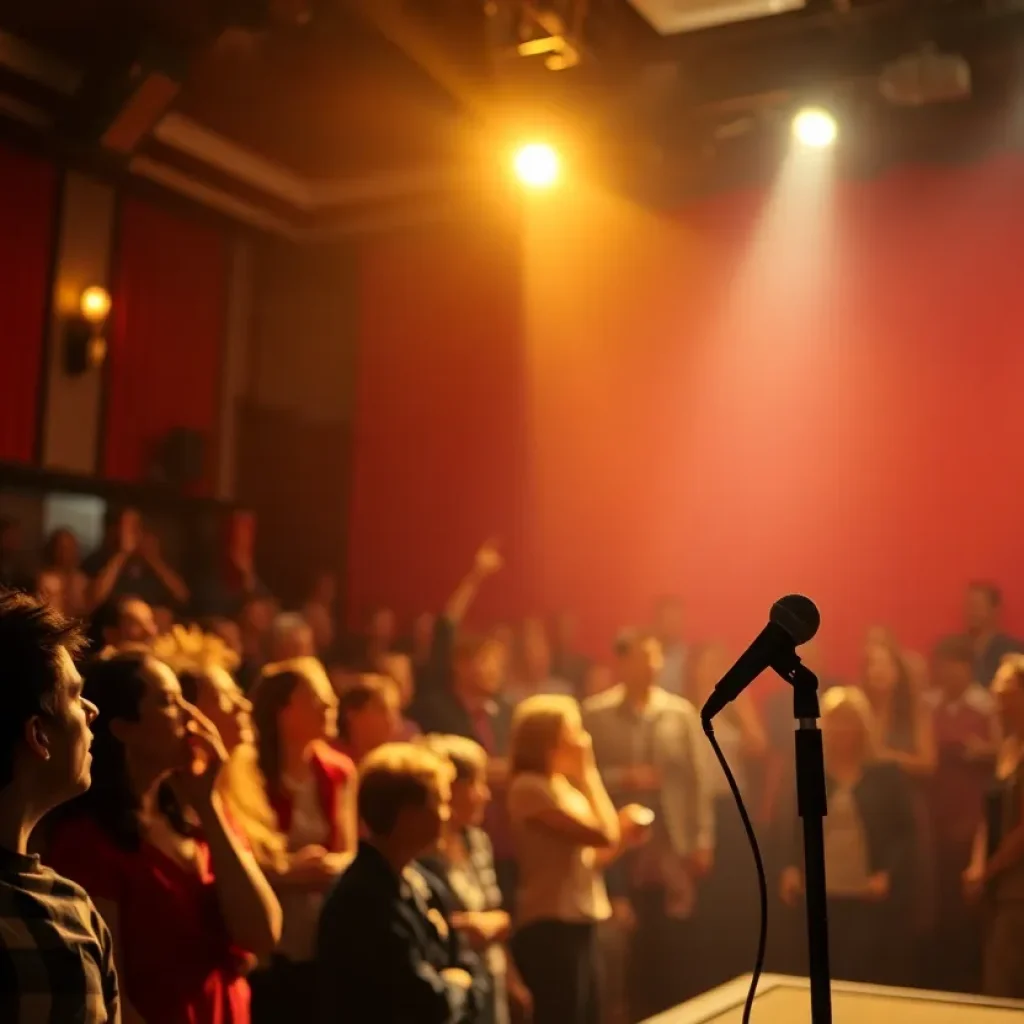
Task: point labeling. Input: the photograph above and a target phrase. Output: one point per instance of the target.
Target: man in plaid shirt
(56, 960)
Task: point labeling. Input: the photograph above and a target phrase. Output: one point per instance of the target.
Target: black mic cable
(762, 881)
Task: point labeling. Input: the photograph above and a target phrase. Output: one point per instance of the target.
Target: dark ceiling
(342, 94)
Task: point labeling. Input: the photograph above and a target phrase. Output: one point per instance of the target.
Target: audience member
(869, 841)
(667, 629)
(123, 621)
(983, 607)
(56, 952)
(966, 737)
(399, 669)
(421, 643)
(566, 661)
(311, 790)
(184, 898)
(61, 570)
(561, 817)
(727, 904)
(649, 749)
(997, 865)
(383, 953)
(464, 861)
(320, 612)
(255, 618)
(290, 637)
(906, 738)
(368, 715)
(532, 671)
(129, 561)
(234, 580)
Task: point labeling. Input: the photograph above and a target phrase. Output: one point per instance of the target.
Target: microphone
(793, 621)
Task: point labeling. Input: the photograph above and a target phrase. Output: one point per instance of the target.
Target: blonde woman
(564, 827)
(869, 834)
(203, 664)
(997, 865)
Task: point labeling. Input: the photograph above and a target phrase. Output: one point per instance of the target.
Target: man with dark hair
(123, 620)
(983, 605)
(385, 952)
(56, 958)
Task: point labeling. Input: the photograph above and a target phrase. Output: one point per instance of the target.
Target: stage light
(537, 165)
(815, 127)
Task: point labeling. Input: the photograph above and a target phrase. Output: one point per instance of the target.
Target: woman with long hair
(996, 870)
(561, 818)
(153, 845)
(869, 834)
(203, 664)
(311, 789)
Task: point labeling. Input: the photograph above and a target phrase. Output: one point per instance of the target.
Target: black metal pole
(812, 806)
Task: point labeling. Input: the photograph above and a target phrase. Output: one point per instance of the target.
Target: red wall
(27, 200)
(764, 393)
(166, 337)
(439, 434)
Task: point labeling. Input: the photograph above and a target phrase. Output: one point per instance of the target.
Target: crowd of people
(213, 810)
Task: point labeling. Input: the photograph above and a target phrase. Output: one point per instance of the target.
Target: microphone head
(798, 616)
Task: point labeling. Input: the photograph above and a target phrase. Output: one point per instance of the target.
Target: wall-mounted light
(85, 346)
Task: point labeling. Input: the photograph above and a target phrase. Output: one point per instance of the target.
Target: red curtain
(439, 437)
(166, 337)
(811, 388)
(27, 200)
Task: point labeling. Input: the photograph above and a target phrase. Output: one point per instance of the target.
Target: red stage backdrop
(166, 337)
(815, 388)
(27, 200)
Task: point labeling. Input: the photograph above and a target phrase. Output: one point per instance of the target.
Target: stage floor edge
(785, 1000)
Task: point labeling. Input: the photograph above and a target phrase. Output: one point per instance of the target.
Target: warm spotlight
(537, 165)
(815, 127)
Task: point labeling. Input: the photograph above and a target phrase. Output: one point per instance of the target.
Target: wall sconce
(85, 347)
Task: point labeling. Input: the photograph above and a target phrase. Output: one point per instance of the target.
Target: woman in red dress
(184, 898)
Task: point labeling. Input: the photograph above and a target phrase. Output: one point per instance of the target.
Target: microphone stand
(812, 806)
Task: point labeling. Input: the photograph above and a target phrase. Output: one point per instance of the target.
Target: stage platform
(782, 1000)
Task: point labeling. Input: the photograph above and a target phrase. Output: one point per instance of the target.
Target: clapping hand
(196, 782)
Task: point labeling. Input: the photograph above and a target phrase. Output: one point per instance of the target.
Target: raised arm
(486, 562)
(249, 907)
(150, 551)
(103, 583)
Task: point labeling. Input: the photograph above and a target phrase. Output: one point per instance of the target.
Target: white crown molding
(306, 195)
(208, 195)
